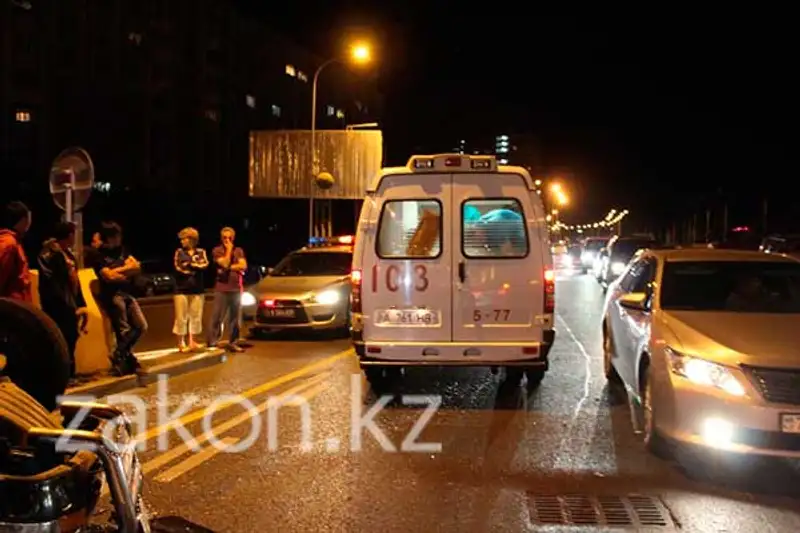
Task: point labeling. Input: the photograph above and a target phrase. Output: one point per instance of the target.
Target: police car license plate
(407, 317)
(279, 313)
(790, 423)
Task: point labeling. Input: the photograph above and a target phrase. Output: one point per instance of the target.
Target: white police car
(309, 288)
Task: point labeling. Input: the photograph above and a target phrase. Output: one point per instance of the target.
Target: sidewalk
(154, 363)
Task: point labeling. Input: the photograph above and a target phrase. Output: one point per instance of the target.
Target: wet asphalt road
(506, 453)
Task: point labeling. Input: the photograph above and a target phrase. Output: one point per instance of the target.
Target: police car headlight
(617, 268)
(329, 297)
(248, 299)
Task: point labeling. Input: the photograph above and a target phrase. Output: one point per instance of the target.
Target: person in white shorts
(190, 262)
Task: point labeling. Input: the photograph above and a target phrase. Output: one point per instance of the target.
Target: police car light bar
(331, 241)
(453, 161)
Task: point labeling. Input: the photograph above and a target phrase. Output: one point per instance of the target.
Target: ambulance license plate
(407, 317)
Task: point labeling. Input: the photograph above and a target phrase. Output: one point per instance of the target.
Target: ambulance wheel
(514, 375)
(34, 352)
(380, 376)
(534, 376)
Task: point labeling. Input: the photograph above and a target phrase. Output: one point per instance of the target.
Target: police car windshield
(301, 264)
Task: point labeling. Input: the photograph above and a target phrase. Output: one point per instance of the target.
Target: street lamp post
(314, 159)
(359, 54)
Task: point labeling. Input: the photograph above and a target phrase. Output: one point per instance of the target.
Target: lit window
(135, 37)
(102, 186)
(504, 161)
(502, 150)
(339, 113)
(302, 76)
(212, 115)
(251, 101)
(493, 228)
(276, 110)
(291, 71)
(23, 116)
(331, 111)
(410, 228)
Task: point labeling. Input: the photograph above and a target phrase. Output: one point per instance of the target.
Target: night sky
(647, 109)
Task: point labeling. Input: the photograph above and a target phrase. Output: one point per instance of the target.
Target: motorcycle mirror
(176, 524)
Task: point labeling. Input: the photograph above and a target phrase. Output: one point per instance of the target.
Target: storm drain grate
(634, 510)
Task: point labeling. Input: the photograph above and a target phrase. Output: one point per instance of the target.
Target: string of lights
(613, 218)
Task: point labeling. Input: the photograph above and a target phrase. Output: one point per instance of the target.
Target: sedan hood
(768, 340)
(294, 287)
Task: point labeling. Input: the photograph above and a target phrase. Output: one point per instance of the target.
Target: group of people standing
(63, 300)
(190, 263)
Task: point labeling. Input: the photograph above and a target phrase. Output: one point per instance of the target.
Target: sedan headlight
(329, 297)
(617, 267)
(705, 373)
(248, 299)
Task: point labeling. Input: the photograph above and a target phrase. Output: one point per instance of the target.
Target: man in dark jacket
(15, 278)
(115, 269)
(60, 289)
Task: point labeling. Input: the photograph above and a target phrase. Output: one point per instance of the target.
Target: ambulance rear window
(493, 229)
(410, 229)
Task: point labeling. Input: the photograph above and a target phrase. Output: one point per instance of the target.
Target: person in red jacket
(15, 278)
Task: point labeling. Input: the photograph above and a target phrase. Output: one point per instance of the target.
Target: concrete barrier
(93, 348)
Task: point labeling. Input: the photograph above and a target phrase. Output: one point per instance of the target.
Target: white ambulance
(452, 266)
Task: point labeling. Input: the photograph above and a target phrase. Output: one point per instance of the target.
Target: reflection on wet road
(490, 458)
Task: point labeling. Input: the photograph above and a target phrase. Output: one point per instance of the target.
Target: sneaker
(235, 348)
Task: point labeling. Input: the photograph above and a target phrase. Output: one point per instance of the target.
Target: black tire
(37, 360)
(608, 351)
(653, 441)
(513, 375)
(380, 377)
(534, 376)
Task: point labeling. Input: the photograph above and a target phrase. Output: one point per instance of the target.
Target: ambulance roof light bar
(444, 162)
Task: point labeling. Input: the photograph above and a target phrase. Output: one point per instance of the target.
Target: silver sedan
(705, 344)
(309, 288)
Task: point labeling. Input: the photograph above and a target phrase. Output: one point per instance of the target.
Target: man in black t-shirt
(115, 269)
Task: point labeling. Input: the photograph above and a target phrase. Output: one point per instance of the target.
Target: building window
(23, 116)
(276, 110)
(291, 71)
(212, 114)
(339, 113)
(331, 111)
(251, 101)
(135, 38)
(302, 76)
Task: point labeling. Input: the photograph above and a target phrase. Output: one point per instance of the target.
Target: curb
(182, 366)
(104, 387)
(116, 385)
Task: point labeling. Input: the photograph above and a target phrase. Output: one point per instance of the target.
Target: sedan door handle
(462, 271)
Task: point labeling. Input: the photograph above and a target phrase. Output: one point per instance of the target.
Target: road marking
(264, 387)
(174, 453)
(195, 460)
(300, 399)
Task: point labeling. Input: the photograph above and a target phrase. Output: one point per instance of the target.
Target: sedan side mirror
(636, 301)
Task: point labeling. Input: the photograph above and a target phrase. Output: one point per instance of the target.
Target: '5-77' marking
(499, 315)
